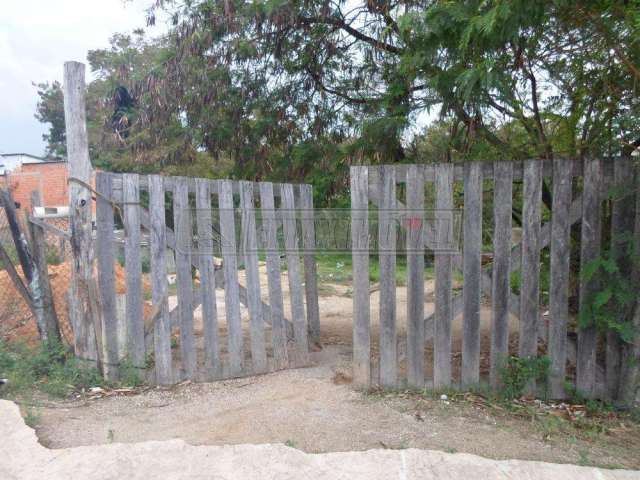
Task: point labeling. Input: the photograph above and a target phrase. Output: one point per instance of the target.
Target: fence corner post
(85, 316)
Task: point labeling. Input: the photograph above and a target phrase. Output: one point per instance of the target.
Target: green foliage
(608, 308)
(518, 372)
(49, 367)
(298, 91)
(31, 418)
(129, 374)
(53, 255)
(50, 109)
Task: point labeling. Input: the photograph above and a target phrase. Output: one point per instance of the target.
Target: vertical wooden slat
(231, 286)
(310, 268)
(159, 287)
(293, 273)
(250, 249)
(530, 269)
(133, 267)
(84, 316)
(559, 286)
(40, 286)
(502, 193)
(443, 274)
(621, 228)
(183, 234)
(105, 253)
(471, 292)
(360, 262)
(387, 255)
(628, 392)
(212, 363)
(590, 239)
(270, 229)
(415, 276)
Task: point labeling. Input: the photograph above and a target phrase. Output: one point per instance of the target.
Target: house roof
(19, 154)
(33, 158)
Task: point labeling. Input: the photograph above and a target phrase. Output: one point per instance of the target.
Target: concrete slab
(25, 459)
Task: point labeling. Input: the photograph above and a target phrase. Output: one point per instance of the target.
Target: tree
(50, 109)
(565, 71)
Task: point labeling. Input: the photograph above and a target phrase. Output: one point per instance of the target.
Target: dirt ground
(316, 409)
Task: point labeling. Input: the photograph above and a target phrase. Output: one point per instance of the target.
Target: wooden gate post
(83, 311)
(39, 285)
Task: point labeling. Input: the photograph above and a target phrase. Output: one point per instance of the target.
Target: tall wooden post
(83, 306)
(40, 287)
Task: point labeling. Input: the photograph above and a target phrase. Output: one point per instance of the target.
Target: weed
(111, 435)
(550, 425)
(129, 373)
(518, 372)
(290, 443)
(583, 458)
(50, 367)
(31, 418)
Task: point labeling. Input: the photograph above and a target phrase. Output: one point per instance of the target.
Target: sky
(36, 38)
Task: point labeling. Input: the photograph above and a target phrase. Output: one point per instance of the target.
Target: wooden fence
(578, 195)
(204, 227)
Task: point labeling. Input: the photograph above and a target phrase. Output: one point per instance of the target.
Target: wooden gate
(217, 228)
(578, 192)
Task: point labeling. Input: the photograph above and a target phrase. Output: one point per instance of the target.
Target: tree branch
(352, 31)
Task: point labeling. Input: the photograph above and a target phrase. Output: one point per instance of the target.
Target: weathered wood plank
(40, 286)
(415, 277)
(360, 262)
(472, 288)
(487, 171)
(169, 186)
(387, 257)
(270, 229)
(105, 253)
(621, 229)
(219, 275)
(133, 268)
(443, 277)
(183, 249)
(628, 392)
(309, 258)
(159, 286)
(212, 363)
(250, 250)
(530, 269)
(231, 286)
(300, 333)
(85, 315)
(590, 239)
(559, 284)
(502, 199)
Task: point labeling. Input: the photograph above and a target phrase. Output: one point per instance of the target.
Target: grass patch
(49, 368)
(338, 268)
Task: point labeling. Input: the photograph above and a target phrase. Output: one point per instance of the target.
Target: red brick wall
(50, 179)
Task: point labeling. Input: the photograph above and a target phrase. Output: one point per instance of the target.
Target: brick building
(48, 177)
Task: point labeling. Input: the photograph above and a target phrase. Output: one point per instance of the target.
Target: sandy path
(317, 410)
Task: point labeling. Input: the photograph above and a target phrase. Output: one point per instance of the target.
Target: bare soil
(316, 409)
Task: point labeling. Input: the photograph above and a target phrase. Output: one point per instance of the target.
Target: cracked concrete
(25, 459)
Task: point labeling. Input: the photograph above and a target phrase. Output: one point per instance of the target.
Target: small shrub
(31, 418)
(53, 255)
(608, 309)
(50, 367)
(518, 372)
(129, 374)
